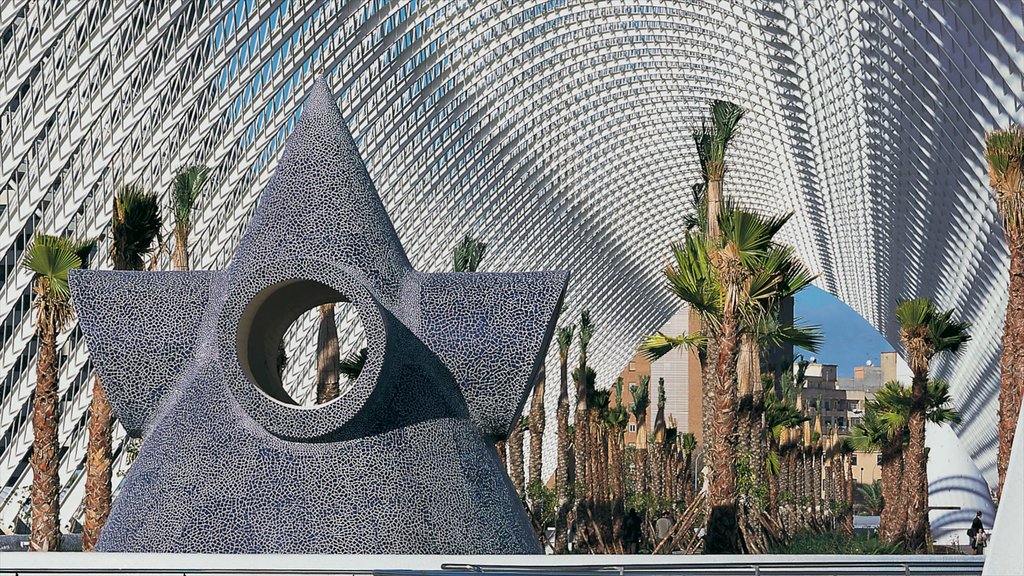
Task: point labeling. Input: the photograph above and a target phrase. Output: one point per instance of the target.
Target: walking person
(976, 527)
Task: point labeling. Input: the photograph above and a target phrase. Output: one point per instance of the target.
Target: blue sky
(849, 339)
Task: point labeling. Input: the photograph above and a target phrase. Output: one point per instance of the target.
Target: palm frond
(587, 329)
(914, 313)
(185, 189)
(134, 226)
(51, 258)
(352, 365)
(691, 277)
(659, 344)
(749, 234)
(641, 393)
(947, 334)
(564, 338)
(939, 398)
(1004, 151)
(468, 254)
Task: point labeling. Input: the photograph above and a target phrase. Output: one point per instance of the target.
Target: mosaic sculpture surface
(403, 462)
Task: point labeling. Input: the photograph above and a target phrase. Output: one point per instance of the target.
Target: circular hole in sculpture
(322, 353)
(302, 343)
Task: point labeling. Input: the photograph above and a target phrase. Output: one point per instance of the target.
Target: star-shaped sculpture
(403, 462)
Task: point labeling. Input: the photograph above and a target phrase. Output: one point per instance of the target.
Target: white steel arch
(558, 130)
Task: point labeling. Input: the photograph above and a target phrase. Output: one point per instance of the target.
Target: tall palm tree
(586, 333)
(49, 258)
(515, 456)
(780, 415)
(135, 234)
(746, 239)
(1004, 151)
(328, 363)
(537, 429)
(712, 141)
(657, 447)
(641, 394)
(617, 419)
(689, 443)
(186, 186)
(563, 478)
(581, 423)
(924, 333)
(883, 429)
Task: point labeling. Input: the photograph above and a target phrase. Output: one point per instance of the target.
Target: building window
(853, 460)
(828, 405)
(632, 427)
(839, 404)
(632, 366)
(841, 423)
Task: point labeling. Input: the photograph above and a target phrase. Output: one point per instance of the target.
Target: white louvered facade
(558, 131)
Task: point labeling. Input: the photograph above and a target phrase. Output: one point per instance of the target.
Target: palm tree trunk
(99, 459)
(1011, 391)
(722, 530)
(515, 456)
(501, 447)
(46, 447)
(916, 473)
(714, 200)
(688, 478)
(891, 510)
(180, 256)
(773, 483)
(563, 479)
(327, 357)
(537, 429)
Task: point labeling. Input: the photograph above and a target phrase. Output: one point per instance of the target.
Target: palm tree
(582, 395)
(134, 227)
(328, 366)
(780, 415)
(871, 495)
(468, 254)
(581, 423)
(641, 394)
(1004, 151)
(49, 258)
(135, 233)
(537, 430)
(187, 185)
(515, 456)
(689, 444)
(736, 259)
(563, 480)
(712, 142)
(617, 419)
(924, 333)
(883, 429)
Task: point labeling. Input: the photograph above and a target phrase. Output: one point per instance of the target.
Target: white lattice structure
(557, 130)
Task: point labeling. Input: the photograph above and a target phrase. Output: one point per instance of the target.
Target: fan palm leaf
(1004, 151)
(185, 189)
(135, 225)
(659, 344)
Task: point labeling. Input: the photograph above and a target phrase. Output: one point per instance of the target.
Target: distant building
(676, 368)
(841, 403)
